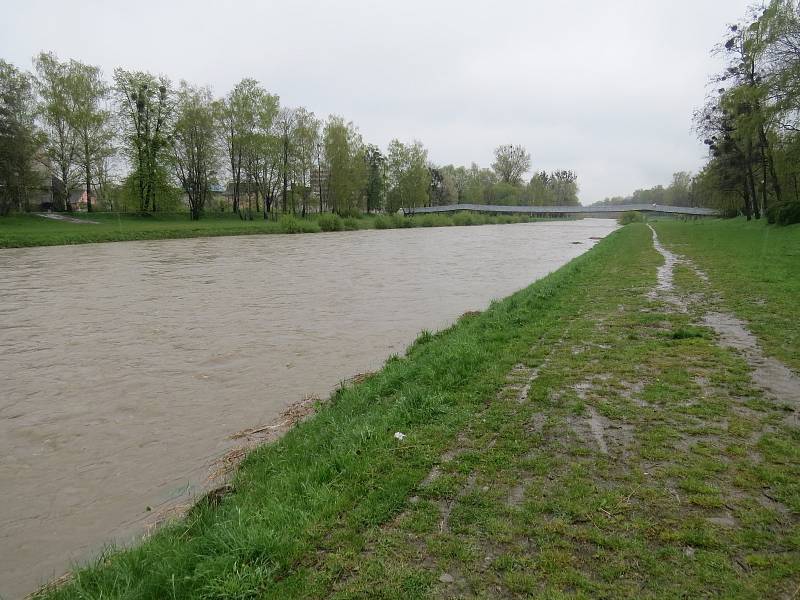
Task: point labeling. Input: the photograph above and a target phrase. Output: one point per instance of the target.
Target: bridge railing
(565, 210)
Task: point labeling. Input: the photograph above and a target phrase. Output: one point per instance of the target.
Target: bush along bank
(33, 230)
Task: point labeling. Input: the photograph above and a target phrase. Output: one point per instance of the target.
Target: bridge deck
(566, 210)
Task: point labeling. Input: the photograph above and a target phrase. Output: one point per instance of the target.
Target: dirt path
(66, 218)
(768, 373)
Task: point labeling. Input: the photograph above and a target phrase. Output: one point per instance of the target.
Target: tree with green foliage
(306, 134)
(409, 179)
(245, 119)
(92, 122)
(285, 124)
(194, 145)
(19, 139)
(346, 164)
(146, 105)
(59, 97)
(376, 178)
(511, 162)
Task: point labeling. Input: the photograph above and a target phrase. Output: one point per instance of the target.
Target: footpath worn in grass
(581, 438)
(756, 269)
(33, 230)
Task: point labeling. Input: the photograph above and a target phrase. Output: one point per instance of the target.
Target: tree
(284, 127)
(679, 192)
(193, 143)
(408, 174)
(59, 93)
(306, 134)
(541, 189)
(146, 108)
(19, 139)
(511, 163)
(564, 185)
(245, 118)
(376, 178)
(92, 123)
(347, 169)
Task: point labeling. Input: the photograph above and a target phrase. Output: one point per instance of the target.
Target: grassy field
(756, 269)
(33, 230)
(579, 439)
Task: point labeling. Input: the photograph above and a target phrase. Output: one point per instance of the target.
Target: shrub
(432, 221)
(789, 214)
(401, 221)
(631, 217)
(383, 222)
(352, 213)
(291, 224)
(786, 213)
(464, 218)
(330, 222)
(352, 224)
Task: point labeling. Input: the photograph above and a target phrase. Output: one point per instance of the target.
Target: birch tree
(55, 83)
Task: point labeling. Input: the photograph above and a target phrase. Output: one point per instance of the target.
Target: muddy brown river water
(126, 367)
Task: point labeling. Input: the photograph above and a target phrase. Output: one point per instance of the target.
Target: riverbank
(18, 231)
(588, 436)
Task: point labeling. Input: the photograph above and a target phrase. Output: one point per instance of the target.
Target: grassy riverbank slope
(33, 230)
(581, 438)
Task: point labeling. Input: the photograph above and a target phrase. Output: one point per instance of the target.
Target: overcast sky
(604, 88)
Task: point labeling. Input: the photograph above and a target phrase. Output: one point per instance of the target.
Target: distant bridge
(605, 210)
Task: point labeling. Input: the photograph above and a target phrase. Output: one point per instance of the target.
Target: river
(127, 366)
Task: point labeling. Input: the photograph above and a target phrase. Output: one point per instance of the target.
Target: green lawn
(33, 230)
(756, 268)
(579, 439)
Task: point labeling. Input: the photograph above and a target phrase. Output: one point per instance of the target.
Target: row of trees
(752, 121)
(750, 124)
(682, 191)
(142, 143)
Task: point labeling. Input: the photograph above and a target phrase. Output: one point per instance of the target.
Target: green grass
(755, 267)
(499, 493)
(32, 230)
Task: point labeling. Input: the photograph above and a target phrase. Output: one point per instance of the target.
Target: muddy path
(67, 218)
(768, 373)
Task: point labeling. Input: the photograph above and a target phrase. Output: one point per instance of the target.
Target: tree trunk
(776, 185)
(88, 188)
(285, 169)
(751, 202)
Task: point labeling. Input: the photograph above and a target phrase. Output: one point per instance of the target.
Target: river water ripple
(126, 366)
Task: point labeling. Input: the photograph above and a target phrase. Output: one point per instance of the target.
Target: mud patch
(520, 379)
(597, 424)
(67, 219)
(516, 494)
(768, 373)
(665, 285)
